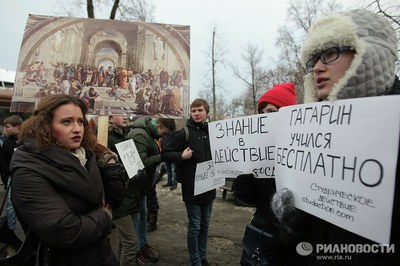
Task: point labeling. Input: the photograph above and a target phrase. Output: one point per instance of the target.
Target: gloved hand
(245, 188)
(139, 177)
(296, 225)
(104, 155)
(282, 204)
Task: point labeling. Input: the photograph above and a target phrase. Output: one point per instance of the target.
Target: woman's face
(270, 108)
(67, 126)
(326, 75)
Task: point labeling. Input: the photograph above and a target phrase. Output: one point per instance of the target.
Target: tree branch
(114, 9)
(90, 8)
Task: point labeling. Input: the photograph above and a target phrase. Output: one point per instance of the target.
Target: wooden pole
(102, 130)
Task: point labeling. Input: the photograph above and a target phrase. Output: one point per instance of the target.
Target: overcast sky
(238, 23)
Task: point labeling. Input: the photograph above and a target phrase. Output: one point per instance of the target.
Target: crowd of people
(61, 173)
(103, 76)
(153, 93)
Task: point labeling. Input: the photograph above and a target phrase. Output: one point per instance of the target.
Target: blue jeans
(197, 235)
(171, 173)
(140, 223)
(11, 219)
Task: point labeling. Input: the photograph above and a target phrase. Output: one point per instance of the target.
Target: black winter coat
(199, 142)
(115, 136)
(6, 153)
(113, 177)
(129, 203)
(259, 192)
(60, 201)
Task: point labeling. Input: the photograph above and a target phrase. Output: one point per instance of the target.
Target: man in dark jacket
(11, 130)
(186, 155)
(123, 237)
(145, 131)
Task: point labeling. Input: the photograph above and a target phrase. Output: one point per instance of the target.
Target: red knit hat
(280, 95)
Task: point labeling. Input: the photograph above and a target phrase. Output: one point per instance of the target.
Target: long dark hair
(38, 126)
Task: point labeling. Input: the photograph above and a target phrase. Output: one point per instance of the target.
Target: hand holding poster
(339, 159)
(130, 157)
(244, 145)
(205, 178)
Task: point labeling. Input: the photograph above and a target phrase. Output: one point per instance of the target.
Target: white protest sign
(244, 145)
(205, 178)
(339, 159)
(129, 157)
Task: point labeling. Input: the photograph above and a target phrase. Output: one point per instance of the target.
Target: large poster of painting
(116, 67)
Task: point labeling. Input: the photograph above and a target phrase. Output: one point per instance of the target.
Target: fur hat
(372, 70)
(280, 95)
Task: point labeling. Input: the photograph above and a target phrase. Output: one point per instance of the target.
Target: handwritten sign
(205, 179)
(244, 145)
(129, 157)
(339, 158)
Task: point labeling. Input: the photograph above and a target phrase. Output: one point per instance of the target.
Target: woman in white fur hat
(349, 55)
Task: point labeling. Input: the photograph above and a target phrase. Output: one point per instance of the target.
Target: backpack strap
(186, 133)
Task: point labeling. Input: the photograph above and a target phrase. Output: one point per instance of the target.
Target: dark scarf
(395, 89)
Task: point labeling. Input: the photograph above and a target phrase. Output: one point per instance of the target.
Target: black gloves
(139, 177)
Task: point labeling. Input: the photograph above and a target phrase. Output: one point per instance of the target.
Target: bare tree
(392, 13)
(222, 109)
(300, 16)
(213, 83)
(213, 63)
(235, 107)
(90, 8)
(206, 95)
(253, 77)
(302, 13)
(140, 10)
(114, 9)
(75, 8)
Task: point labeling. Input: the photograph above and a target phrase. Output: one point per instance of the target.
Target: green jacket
(144, 134)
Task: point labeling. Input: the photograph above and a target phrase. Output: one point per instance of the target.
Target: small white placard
(205, 179)
(129, 157)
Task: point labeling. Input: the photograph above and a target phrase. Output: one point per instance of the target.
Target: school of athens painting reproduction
(116, 67)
